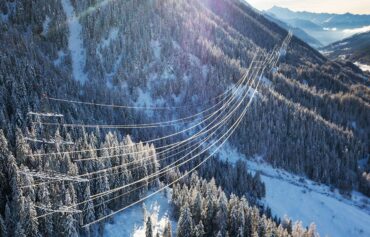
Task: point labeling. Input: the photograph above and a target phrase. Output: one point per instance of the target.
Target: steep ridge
(354, 49)
(208, 45)
(311, 117)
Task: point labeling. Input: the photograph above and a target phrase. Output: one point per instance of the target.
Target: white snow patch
(45, 26)
(45, 114)
(145, 100)
(342, 57)
(60, 58)
(205, 71)
(110, 75)
(363, 67)
(4, 17)
(132, 222)
(282, 52)
(329, 19)
(113, 35)
(156, 47)
(168, 73)
(176, 45)
(75, 42)
(308, 201)
(357, 30)
(362, 163)
(342, 43)
(194, 60)
(11, 8)
(326, 52)
(229, 153)
(330, 29)
(266, 81)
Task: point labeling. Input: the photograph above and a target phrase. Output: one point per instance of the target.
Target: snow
(109, 73)
(11, 8)
(45, 114)
(51, 141)
(326, 52)
(362, 163)
(205, 71)
(60, 58)
(329, 19)
(146, 100)
(75, 42)
(363, 67)
(342, 43)
(113, 72)
(302, 199)
(330, 29)
(282, 52)
(156, 47)
(168, 73)
(113, 35)
(176, 45)
(131, 222)
(266, 81)
(194, 60)
(45, 26)
(357, 30)
(4, 17)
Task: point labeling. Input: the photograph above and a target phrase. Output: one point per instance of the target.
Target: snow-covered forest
(103, 103)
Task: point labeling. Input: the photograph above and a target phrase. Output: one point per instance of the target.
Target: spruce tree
(185, 224)
(167, 232)
(3, 228)
(198, 230)
(149, 228)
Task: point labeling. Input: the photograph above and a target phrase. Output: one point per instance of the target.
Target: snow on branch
(46, 114)
(53, 176)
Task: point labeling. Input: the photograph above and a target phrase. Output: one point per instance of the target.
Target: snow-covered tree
(185, 223)
(149, 228)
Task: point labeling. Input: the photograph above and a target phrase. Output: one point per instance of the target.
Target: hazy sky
(331, 6)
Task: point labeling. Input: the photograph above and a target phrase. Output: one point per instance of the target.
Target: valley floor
(131, 221)
(302, 199)
(286, 194)
(363, 67)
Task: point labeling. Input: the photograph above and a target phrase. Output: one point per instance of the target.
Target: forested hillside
(310, 117)
(354, 49)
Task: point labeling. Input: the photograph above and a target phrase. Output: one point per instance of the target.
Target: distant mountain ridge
(296, 31)
(355, 49)
(309, 115)
(325, 27)
(329, 20)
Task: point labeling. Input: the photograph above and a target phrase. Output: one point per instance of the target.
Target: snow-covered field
(363, 67)
(288, 195)
(131, 221)
(301, 199)
(75, 42)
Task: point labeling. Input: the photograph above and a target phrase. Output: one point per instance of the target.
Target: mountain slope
(311, 119)
(355, 49)
(296, 31)
(325, 27)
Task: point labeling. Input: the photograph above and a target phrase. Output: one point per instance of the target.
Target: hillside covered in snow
(104, 103)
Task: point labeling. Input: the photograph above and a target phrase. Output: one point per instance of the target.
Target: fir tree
(185, 223)
(167, 232)
(149, 228)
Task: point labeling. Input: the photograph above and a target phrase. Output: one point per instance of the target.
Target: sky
(330, 6)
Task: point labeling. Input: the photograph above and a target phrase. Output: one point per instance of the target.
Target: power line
(167, 168)
(181, 177)
(149, 141)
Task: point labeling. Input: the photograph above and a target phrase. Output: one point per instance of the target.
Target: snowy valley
(187, 118)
